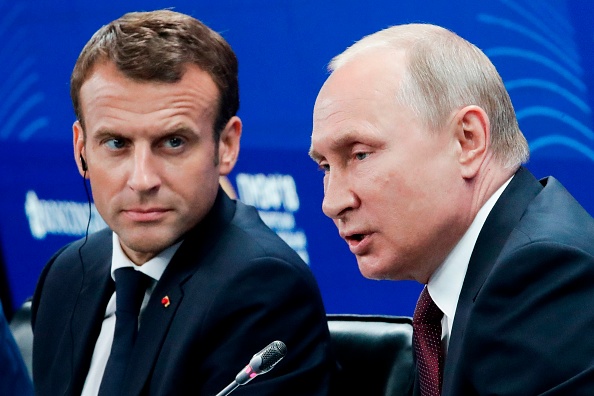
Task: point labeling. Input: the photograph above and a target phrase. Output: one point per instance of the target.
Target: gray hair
(445, 73)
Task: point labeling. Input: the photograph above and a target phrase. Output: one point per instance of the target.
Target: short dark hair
(157, 46)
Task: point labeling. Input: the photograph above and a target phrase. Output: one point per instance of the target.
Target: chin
(378, 271)
(372, 271)
(149, 244)
(155, 244)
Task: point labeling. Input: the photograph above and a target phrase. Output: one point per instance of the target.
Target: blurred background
(543, 49)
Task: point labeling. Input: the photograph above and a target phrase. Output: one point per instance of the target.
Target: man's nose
(145, 170)
(339, 196)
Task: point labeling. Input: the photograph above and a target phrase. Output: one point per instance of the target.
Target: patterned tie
(130, 288)
(427, 345)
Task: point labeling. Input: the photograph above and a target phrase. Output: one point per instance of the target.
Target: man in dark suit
(422, 157)
(155, 95)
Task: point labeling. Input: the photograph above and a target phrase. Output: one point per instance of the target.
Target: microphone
(261, 363)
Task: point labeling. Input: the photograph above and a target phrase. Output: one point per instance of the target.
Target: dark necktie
(427, 345)
(130, 288)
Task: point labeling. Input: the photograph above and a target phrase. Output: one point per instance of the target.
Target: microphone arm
(261, 363)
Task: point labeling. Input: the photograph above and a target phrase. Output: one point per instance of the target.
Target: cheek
(388, 183)
(103, 196)
(195, 188)
(102, 184)
(107, 183)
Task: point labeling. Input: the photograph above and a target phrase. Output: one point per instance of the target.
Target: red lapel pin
(165, 301)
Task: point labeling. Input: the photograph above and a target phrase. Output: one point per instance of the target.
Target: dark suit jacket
(233, 287)
(525, 318)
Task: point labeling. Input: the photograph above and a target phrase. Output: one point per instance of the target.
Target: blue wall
(544, 51)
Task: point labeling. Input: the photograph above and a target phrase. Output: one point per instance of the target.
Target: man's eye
(361, 156)
(174, 142)
(115, 144)
(324, 167)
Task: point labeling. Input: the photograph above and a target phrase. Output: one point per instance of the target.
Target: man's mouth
(359, 243)
(145, 214)
(355, 237)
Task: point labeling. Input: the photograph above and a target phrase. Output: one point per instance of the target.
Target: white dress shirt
(153, 268)
(445, 284)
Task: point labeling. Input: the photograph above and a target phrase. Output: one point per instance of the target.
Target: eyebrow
(314, 155)
(179, 129)
(345, 139)
(102, 133)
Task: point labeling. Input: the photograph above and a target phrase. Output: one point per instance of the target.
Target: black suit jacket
(233, 288)
(525, 315)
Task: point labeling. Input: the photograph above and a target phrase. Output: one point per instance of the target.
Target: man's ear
(473, 134)
(78, 142)
(229, 145)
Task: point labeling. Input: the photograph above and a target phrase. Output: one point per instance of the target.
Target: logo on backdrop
(66, 218)
(275, 196)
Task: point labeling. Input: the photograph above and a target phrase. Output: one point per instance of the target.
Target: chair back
(20, 326)
(373, 353)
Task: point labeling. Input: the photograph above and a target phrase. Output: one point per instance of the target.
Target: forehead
(357, 100)
(108, 91)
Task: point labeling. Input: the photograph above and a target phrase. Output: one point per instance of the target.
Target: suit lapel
(502, 219)
(155, 323)
(156, 319)
(89, 311)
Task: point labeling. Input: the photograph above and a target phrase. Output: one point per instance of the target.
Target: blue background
(543, 50)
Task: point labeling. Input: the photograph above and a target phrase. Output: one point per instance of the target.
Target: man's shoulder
(543, 273)
(239, 241)
(96, 241)
(66, 268)
(554, 215)
(257, 237)
(97, 244)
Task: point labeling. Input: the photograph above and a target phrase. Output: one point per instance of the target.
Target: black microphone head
(271, 355)
(262, 362)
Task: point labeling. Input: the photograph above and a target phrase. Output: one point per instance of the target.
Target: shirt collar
(445, 284)
(154, 268)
